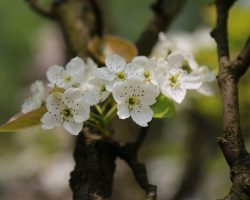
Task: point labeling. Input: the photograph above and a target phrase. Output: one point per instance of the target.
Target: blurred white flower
(68, 109)
(71, 76)
(133, 99)
(36, 99)
(206, 77)
(163, 47)
(174, 81)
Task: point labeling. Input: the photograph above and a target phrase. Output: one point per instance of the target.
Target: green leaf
(22, 121)
(163, 107)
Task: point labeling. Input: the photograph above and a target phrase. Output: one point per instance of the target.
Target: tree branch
(40, 10)
(129, 152)
(219, 33)
(164, 13)
(242, 63)
(95, 165)
(232, 142)
(140, 138)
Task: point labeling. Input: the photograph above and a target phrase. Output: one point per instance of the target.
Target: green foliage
(163, 107)
(19, 26)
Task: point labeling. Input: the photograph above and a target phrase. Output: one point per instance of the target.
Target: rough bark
(95, 165)
(231, 141)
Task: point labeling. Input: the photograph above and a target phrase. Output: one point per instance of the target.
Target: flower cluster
(134, 87)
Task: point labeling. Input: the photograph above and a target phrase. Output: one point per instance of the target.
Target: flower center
(174, 80)
(132, 102)
(186, 67)
(67, 113)
(103, 89)
(67, 78)
(147, 74)
(121, 75)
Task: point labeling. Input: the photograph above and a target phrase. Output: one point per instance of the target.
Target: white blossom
(116, 70)
(96, 86)
(207, 77)
(133, 99)
(36, 99)
(71, 76)
(163, 47)
(68, 109)
(147, 67)
(174, 81)
(200, 72)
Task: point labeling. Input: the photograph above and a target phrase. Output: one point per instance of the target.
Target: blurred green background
(35, 164)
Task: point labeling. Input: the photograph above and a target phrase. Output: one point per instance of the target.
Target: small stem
(96, 116)
(99, 109)
(107, 103)
(111, 113)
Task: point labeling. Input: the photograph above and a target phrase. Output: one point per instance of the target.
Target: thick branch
(232, 142)
(95, 164)
(40, 10)
(165, 12)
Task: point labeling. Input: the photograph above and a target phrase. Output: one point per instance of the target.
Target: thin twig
(140, 138)
(220, 32)
(128, 154)
(242, 63)
(165, 11)
(39, 9)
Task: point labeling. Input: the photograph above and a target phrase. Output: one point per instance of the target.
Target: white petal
(30, 104)
(71, 95)
(50, 120)
(134, 71)
(148, 94)
(191, 61)
(38, 90)
(177, 94)
(122, 111)
(109, 86)
(142, 115)
(91, 97)
(55, 73)
(191, 82)
(105, 74)
(54, 102)
(76, 70)
(115, 63)
(121, 92)
(206, 90)
(208, 75)
(75, 65)
(175, 59)
(73, 127)
(80, 111)
(140, 60)
(104, 95)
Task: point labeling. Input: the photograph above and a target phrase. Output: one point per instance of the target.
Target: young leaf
(163, 107)
(111, 44)
(22, 121)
